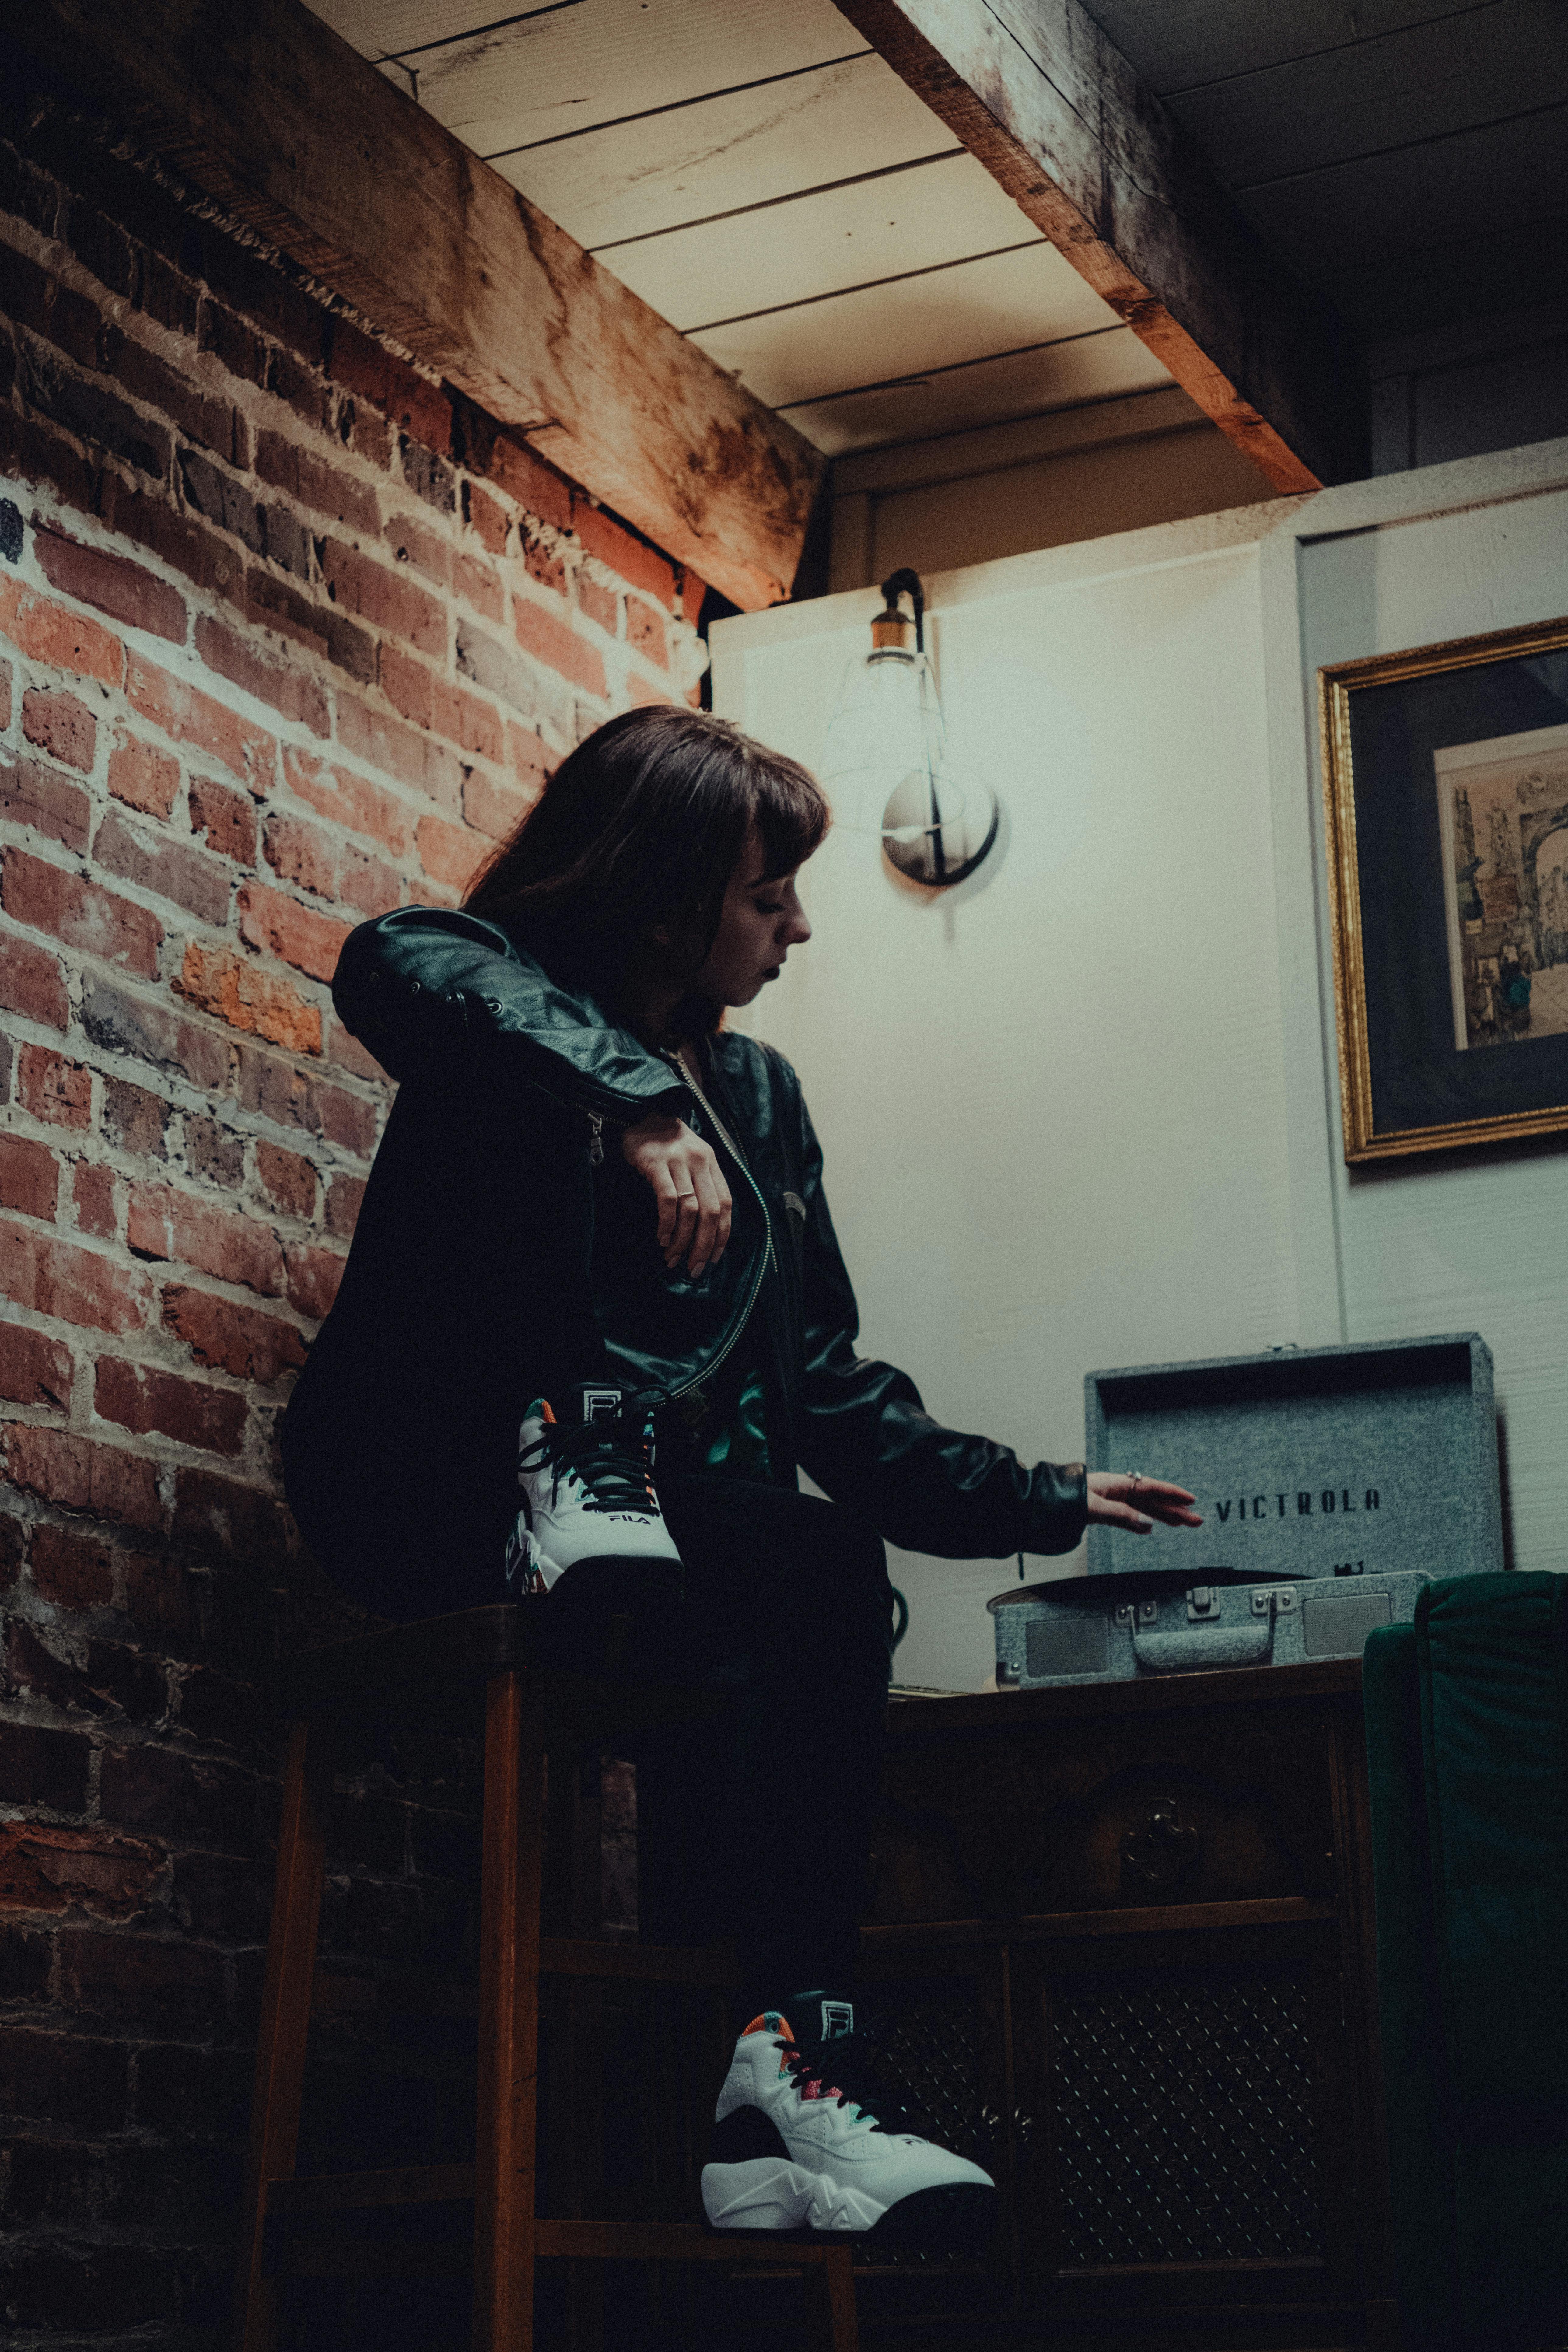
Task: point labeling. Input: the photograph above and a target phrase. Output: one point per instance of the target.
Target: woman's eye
(768, 906)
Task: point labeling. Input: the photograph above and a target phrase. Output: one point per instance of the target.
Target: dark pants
(757, 1826)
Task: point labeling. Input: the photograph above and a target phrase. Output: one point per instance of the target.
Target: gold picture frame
(1436, 965)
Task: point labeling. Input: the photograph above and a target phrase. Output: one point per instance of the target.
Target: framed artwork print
(1445, 779)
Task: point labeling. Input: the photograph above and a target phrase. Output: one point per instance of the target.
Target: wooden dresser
(1122, 1938)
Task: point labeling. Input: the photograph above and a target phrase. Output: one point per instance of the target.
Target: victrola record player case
(1334, 1482)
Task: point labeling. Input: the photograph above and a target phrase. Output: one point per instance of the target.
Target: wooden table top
(990, 1712)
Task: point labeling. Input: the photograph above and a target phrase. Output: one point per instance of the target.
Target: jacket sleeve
(423, 984)
(869, 1442)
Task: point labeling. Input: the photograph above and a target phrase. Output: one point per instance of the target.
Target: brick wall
(288, 634)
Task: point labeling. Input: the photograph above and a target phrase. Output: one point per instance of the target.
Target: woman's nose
(797, 930)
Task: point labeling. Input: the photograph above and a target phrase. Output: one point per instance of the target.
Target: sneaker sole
(617, 1583)
(954, 2218)
(766, 2198)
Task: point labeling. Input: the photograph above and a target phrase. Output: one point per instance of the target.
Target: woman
(595, 1235)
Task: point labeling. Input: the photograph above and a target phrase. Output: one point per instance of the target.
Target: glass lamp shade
(937, 826)
(885, 763)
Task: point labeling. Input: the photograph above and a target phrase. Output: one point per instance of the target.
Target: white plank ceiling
(770, 186)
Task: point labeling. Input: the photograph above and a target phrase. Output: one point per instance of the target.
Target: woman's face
(761, 921)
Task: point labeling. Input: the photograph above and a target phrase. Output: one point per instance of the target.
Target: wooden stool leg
(583, 2002)
(281, 2042)
(830, 2301)
(509, 2019)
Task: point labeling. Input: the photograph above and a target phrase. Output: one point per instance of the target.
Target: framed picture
(1445, 777)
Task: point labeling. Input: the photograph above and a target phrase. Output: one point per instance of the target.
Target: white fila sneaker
(798, 2146)
(587, 1494)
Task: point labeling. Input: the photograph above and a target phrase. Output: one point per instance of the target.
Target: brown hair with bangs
(638, 832)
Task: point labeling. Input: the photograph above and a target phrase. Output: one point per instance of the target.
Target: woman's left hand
(1120, 1498)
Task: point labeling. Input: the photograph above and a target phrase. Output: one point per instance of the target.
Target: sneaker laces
(846, 2070)
(609, 1462)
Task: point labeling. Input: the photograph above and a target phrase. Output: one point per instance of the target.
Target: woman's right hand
(695, 1205)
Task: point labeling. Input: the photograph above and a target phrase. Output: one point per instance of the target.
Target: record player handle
(1213, 1645)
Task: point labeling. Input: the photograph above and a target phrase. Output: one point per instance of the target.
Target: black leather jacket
(449, 1006)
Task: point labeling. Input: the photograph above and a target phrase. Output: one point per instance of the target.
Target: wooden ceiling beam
(264, 108)
(1055, 113)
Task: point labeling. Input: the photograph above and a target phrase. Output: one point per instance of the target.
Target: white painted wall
(1052, 1105)
(1081, 1111)
(1475, 1240)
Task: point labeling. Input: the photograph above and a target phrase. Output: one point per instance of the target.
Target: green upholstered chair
(1467, 1729)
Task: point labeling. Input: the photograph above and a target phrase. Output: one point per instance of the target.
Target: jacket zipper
(596, 1140)
(745, 1317)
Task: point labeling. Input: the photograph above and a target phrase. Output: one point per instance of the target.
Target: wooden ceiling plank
(1000, 302)
(1180, 44)
(1471, 280)
(1430, 82)
(748, 146)
(270, 112)
(607, 58)
(386, 27)
(823, 242)
(1036, 91)
(1495, 179)
(984, 392)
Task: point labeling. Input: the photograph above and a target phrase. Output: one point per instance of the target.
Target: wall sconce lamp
(886, 761)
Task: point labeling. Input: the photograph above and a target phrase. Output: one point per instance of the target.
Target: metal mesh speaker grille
(928, 2044)
(1065, 1643)
(1336, 1625)
(928, 2051)
(1185, 2126)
